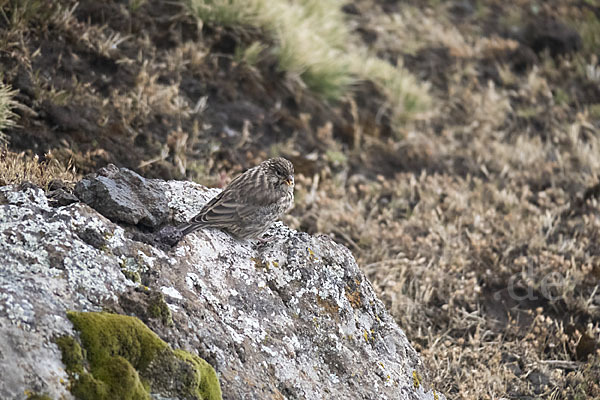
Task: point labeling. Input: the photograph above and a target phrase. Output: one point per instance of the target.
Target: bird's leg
(264, 240)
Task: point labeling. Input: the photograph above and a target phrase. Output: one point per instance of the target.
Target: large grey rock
(293, 318)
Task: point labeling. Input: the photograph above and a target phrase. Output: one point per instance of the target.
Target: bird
(251, 203)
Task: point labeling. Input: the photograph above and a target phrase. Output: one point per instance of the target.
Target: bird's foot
(264, 240)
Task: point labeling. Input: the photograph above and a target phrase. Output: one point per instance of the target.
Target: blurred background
(452, 146)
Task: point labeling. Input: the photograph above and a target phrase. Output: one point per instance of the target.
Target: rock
(461, 9)
(351, 9)
(124, 196)
(293, 318)
(61, 197)
(59, 194)
(553, 35)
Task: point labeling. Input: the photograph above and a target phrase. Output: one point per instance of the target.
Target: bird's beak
(290, 180)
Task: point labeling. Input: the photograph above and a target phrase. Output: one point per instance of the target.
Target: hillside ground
(453, 146)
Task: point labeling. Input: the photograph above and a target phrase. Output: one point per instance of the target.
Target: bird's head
(281, 173)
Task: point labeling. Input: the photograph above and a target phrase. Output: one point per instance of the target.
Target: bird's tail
(188, 228)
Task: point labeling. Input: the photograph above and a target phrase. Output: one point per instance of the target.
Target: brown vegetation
(477, 219)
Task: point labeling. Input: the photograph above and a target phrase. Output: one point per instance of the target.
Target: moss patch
(204, 383)
(115, 379)
(106, 336)
(35, 396)
(133, 276)
(119, 357)
(158, 308)
(72, 356)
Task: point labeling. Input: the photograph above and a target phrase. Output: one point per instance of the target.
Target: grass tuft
(7, 116)
(18, 13)
(17, 168)
(312, 46)
(399, 85)
(588, 26)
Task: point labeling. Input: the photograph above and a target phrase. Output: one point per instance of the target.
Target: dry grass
(18, 168)
(495, 281)
(7, 116)
(487, 257)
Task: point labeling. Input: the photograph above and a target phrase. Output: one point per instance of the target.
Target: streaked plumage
(248, 206)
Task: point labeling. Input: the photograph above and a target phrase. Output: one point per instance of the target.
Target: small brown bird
(248, 206)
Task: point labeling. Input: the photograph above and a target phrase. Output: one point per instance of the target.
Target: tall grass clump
(16, 168)
(406, 95)
(312, 36)
(312, 45)
(18, 13)
(227, 12)
(7, 116)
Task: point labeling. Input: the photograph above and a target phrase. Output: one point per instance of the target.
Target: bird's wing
(220, 210)
(237, 201)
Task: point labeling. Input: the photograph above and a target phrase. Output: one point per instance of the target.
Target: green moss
(35, 396)
(116, 379)
(72, 355)
(105, 336)
(117, 347)
(120, 356)
(159, 309)
(204, 383)
(133, 276)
